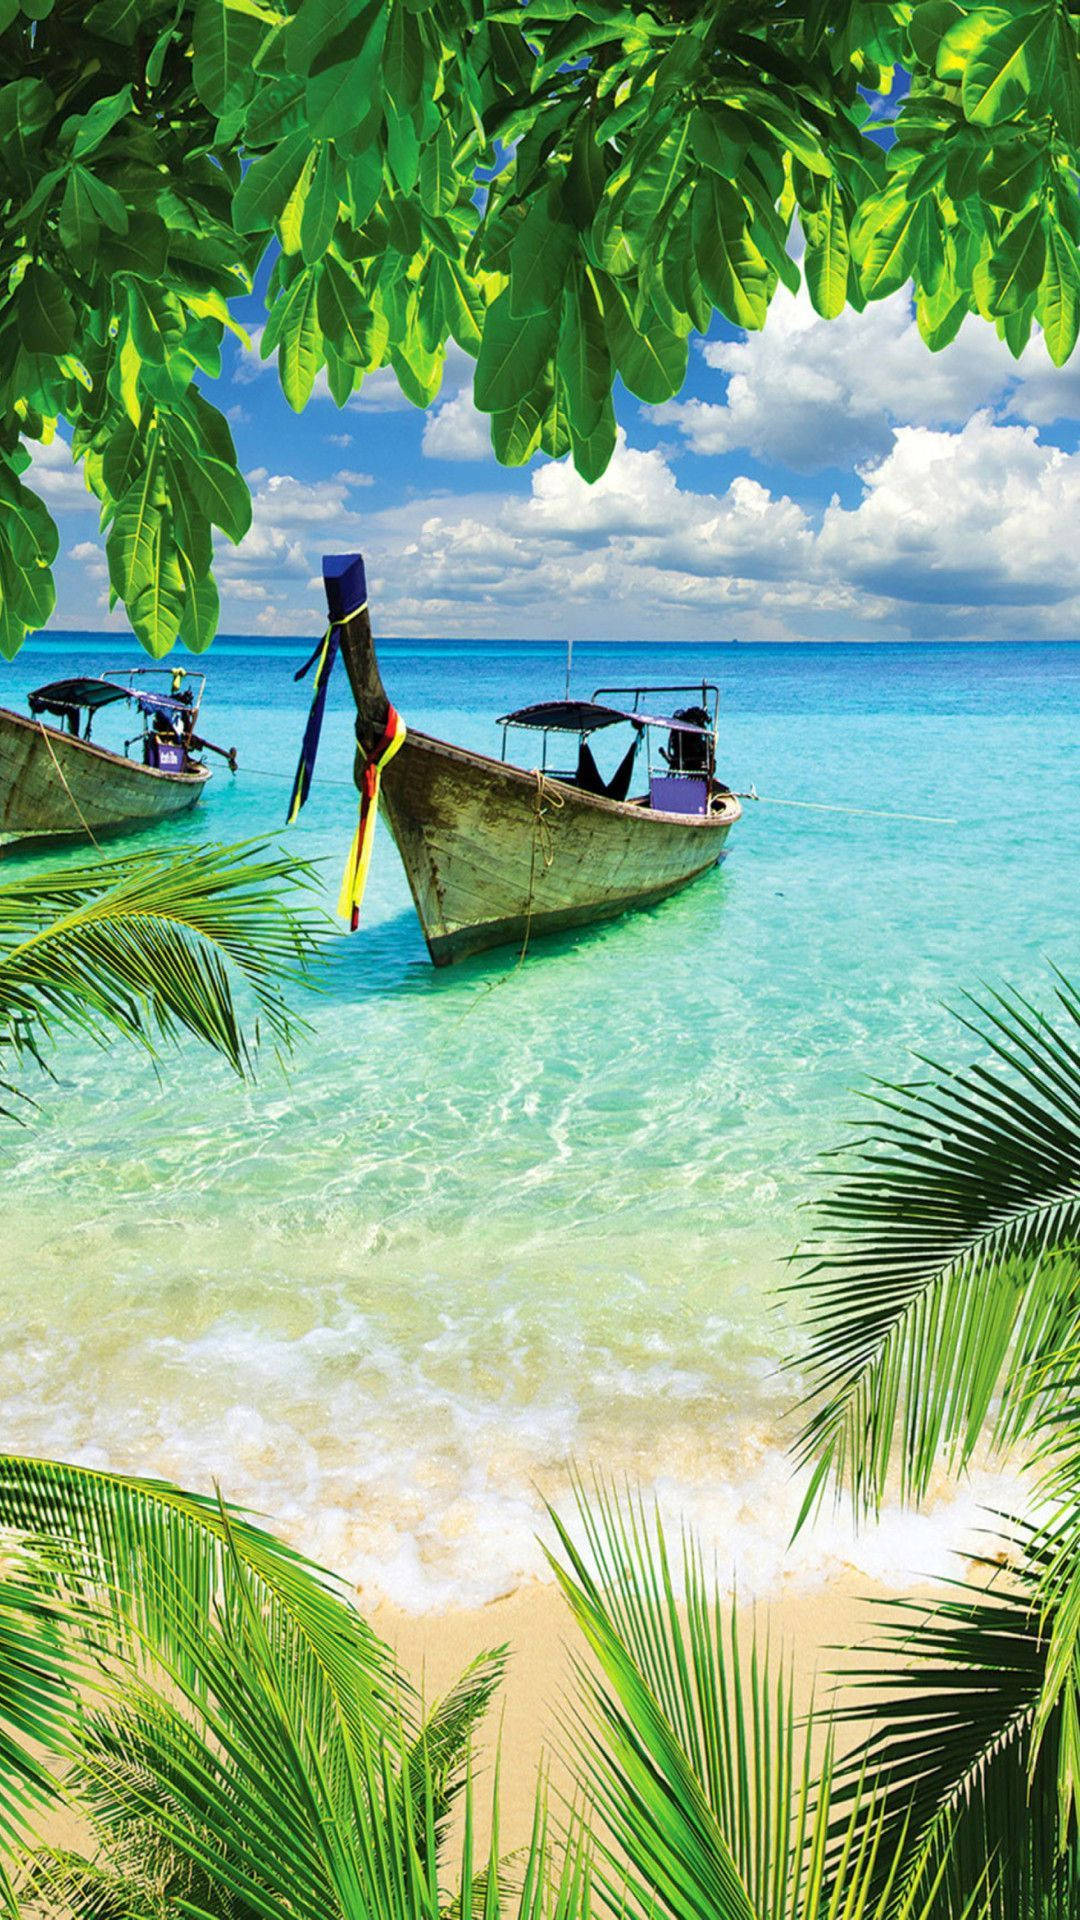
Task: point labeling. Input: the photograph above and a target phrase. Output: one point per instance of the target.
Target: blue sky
(819, 480)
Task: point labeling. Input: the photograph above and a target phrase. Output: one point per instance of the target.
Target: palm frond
(228, 1799)
(257, 1757)
(155, 943)
(954, 1691)
(440, 1753)
(1054, 1554)
(62, 1885)
(44, 1673)
(155, 1560)
(940, 1271)
(702, 1780)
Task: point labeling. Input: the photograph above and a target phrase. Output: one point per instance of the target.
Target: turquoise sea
(503, 1215)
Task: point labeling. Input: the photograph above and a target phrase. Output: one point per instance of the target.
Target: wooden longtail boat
(497, 853)
(56, 782)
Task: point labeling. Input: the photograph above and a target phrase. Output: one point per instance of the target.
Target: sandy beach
(815, 1628)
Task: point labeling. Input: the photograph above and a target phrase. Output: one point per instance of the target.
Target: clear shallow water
(498, 1216)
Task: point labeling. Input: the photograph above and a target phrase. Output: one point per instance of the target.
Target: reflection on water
(499, 1214)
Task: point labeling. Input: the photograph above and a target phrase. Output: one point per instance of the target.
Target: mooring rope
(87, 828)
(870, 813)
(542, 842)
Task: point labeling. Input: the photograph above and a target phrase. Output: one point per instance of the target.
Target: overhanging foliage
(567, 191)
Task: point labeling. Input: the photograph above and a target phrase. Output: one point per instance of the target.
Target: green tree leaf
(225, 41)
(513, 354)
(105, 200)
(887, 244)
(118, 20)
(1015, 269)
(344, 75)
(365, 179)
(403, 58)
(438, 176)
(592, 452)
(129, 548)
(94, 126)
(733, 270)
(1059, 296)
(940, 315)
(321, 207)
(199, 620)
(80, 226)
(646, 186)
(540, 255)
(27, 599)
(26, 108)
(28, 546)
(341, 375)
(419, 368)
(582, 359)
(928, 26)
(719, 139)
(46, 315)
(28, 526)
(515, 432)
(651, 359)
(344, 315)
(827, 254)
(265, 189)
(1009, 63)
(300, 341)
(291, 222)
(156, 607)
(1011, 174)
(224, 496)
(461, 302)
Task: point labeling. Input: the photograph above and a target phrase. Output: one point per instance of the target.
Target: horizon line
(109, 636)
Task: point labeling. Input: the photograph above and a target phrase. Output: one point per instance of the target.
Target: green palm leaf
(156, 1560)
(155, 943)
(1055, 1551)
(955, 1695)
(42, 1673)
(940, 1274)
(709, 1803)
(258, 1754)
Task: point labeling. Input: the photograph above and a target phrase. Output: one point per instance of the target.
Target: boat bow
(493, 853)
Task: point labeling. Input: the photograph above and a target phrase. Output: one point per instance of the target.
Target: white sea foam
(420, 1470)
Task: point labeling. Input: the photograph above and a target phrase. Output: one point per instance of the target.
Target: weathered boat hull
(53, 785)
(495, 855)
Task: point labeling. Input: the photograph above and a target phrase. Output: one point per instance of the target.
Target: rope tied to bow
(87, 828)
(543, 844)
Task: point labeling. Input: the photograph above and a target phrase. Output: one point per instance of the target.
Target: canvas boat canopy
(65, 697)
(166, 703)
(588, 716)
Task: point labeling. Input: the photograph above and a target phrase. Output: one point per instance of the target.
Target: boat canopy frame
(584, 717)
(69, 699)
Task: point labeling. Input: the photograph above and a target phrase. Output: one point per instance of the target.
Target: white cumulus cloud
(456, 431)
(52, 475)
(987, 518)
(812, 393)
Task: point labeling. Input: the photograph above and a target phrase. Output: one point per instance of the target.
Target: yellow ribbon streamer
(354, 879)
